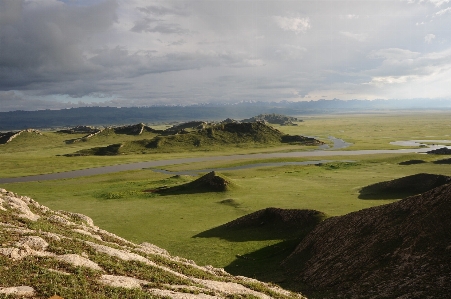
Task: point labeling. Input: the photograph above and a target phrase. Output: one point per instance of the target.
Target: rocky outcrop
(41, 248)
(398, 250)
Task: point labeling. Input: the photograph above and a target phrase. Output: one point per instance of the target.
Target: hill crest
(398, 250)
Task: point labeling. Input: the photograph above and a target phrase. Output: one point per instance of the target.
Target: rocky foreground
(45, 253)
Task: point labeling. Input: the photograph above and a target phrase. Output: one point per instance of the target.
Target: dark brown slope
(404, 187)
(399, 250)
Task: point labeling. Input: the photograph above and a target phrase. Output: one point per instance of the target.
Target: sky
(58, 54)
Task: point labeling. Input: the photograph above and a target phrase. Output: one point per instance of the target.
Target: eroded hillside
(45, 252)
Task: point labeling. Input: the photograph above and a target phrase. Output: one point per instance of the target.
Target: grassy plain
(117, 202)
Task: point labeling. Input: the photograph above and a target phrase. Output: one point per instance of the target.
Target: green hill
(210, 182)
(208, 138)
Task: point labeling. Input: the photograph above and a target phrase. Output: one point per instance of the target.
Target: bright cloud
(429, 38)
(297, 25)
(356, 36)
(443, 11)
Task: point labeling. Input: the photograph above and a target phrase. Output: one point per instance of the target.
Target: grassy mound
(210, 182)
(403, 187)
(22, 137)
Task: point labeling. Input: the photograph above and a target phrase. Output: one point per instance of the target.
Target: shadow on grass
(443, 161)
(287, 226)
(267, 224)
(264, 264)
(412, 162)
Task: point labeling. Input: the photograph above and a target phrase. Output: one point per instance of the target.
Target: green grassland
(117, 202)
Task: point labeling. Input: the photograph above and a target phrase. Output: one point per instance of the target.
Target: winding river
(321, 152)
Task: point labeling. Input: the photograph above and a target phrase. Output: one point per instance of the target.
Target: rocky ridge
(398, 250)
(44, 252)
(9, 136)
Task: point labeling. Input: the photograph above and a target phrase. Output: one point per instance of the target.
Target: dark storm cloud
(42, 45)
(191, 51)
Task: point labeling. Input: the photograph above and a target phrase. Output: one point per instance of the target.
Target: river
(160, 163)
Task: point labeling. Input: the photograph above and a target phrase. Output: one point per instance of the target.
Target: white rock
(23, 291)
(121, 281)
(33, 242)
(81, 231)
(60, 220)
(122, 254)
(230, 288)
(178, 295)
(20, 206)
(78, 261)
(152, 249)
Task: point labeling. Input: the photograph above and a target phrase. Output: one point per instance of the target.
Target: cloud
(10, 11)
(393, 54)
(44, 45)
(162, 10)
(429, 38)
(156, 25)
(297, 25)
(157, 19)
(443, 11)
(402, 66)
(361, 37)
(153, 51)
(439, 2)
(290, 52)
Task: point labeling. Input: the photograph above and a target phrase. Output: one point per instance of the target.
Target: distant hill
(273, 118)
(208, 137)
(135, 130)
(398, 250)
(108, 116)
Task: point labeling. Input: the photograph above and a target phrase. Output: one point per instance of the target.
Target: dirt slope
(399, 250)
